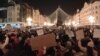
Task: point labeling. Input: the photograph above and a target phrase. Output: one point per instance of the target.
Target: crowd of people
(17, 43)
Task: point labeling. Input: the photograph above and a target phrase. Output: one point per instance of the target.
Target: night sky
(46, 7)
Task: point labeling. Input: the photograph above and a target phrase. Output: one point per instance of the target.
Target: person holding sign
(87, 46)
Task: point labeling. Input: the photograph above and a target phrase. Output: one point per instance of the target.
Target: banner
(96, 33)
(79, 34)
(43, 40)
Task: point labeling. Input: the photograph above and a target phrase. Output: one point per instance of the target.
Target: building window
(96, 7)
(96, 12)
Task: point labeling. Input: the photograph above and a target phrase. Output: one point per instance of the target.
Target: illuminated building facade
(18, 12)
(92, 9)
(38, 18)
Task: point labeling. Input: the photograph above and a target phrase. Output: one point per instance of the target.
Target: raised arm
(81, 47)
(5, 43)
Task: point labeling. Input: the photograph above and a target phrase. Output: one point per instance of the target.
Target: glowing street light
(29, 21)
(91, 19)
(75, 23)
(69, 23)
(45, 23)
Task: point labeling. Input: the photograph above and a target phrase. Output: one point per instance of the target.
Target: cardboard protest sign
(43, 40)
(79, 34)
(40, 32)
(96, 33)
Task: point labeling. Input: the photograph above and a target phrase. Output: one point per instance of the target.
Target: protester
(87, 46)
(17, 43)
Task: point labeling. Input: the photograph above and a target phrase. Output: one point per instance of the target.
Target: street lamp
(91, 19)
(69, 23)
(29, 21)
(45, 23)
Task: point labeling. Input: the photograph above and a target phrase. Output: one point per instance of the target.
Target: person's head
(58, 43)
(69, 43)
(85, 41)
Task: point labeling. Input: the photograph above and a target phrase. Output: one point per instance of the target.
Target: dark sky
(46, 7)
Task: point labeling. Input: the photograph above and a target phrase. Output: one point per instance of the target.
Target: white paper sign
(69, 33)
(79, 34)
(96, 33)
(40, 32)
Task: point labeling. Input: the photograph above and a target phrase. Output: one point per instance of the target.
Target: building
(3, 13)
(18, 11)
(91, 9)
(0, 19)
(13, 12)
(38, 18)
(25, 11)
(59, 17)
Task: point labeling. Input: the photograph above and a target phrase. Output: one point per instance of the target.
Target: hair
(2, 38)
(85, 41)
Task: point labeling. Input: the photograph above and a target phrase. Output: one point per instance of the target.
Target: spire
(58, 6)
